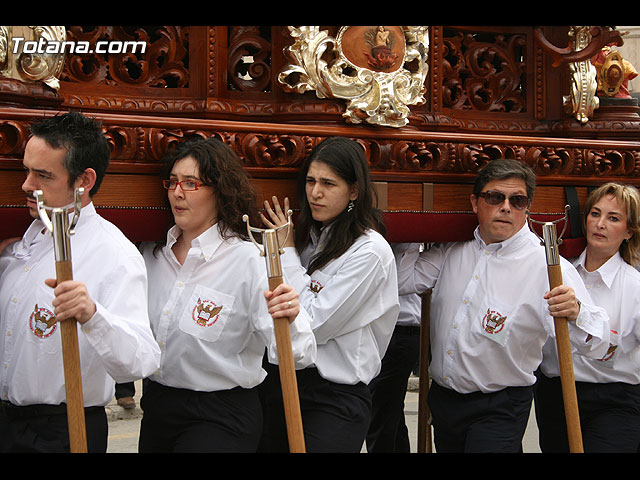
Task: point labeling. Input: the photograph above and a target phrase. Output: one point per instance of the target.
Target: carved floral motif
(484, 72)
(148, 145)
(164, 62)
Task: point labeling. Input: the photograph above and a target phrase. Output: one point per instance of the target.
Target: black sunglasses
(493, 197)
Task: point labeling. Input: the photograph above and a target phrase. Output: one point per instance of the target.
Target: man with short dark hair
(491, 313)
(107, 297)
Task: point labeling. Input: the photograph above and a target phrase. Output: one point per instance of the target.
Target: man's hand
(72, 301)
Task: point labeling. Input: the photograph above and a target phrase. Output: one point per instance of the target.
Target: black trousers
(335, 417)
(125, 390)
(388, 431)
(44, 429)
(180, 420)
(479, 422)
(609, 416)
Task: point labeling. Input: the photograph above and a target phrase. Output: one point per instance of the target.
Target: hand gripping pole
(288, 381)
(551, 241)
(56, 219)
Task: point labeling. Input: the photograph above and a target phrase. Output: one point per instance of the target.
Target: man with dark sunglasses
(491, 313)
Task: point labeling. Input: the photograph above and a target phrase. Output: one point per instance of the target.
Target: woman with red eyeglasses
(210, 311)
(608, 387)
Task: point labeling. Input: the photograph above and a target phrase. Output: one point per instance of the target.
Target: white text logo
(41, 46)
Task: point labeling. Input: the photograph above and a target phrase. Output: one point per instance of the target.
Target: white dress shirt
(210, 316)
(615, 286)
(353, 303)
(116, 344)
(407, 255)
(489, 320)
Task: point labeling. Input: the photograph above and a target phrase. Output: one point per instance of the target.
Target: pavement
(124, 424)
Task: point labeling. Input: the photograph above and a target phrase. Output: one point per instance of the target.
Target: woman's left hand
(283, 302)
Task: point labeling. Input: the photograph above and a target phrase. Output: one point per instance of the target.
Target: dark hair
(82, 137)
(220, 168)
(503, 168)
(347, 159)
(629, 197)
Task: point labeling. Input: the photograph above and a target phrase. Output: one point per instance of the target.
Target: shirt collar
(510, 244)
(607, 271)
(208, 241)
(319, 237)
(37, 231)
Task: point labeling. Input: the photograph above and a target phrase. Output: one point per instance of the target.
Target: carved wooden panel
(492, 92)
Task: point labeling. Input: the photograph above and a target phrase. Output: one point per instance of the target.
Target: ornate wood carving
(492, 91)
(164, 63)
(484, 72)
(145, 141)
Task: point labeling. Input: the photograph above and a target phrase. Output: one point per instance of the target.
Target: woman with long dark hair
(210, 311)
(345, 272)
(608, 388)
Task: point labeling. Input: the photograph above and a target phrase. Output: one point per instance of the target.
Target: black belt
(10, 410)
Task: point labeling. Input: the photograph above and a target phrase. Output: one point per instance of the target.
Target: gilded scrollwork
(582, 101)
(36, 65)
(380, 70)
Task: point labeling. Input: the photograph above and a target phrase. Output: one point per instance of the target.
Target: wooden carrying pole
(72, 372)
(567, 379)
(58, 225)
(424, 427)
(286, 366)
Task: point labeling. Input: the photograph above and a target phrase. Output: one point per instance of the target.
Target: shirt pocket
(317, 282)
(609, 359)
(494, 321)
(42, 325)
(206, 313)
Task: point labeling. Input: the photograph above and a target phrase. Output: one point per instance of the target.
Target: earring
(350, 206)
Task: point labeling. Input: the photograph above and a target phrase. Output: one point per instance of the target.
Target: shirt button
(14, 299)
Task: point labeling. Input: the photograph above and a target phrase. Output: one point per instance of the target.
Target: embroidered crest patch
(610, 353)
(205, 313)
(42, 322)
(315, 286)
(493, 326)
